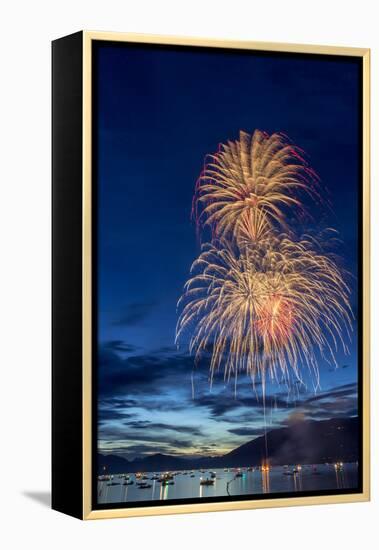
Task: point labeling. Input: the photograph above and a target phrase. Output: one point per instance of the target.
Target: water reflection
(297, 481)
(340, 475)
(265, 471)
(228, 482)
(164, 492)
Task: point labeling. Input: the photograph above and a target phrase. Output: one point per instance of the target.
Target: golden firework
(259, 300)
(256, 181)
(268, 308)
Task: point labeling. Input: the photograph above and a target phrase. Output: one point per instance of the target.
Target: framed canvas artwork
(210, 275)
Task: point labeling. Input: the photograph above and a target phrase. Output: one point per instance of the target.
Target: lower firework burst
(268, 308)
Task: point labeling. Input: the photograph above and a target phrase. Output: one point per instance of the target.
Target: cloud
(159, 381)
(120, 345)
(118, 437)
(142, 424)
(346, 390)
(118, 434)
(248, 432)
(141, 374)
(117, 403)
(106, 415)
(340, 402)
(219, 405)
(325, 415)
(167, 349)
(134, 314)
(135, 450)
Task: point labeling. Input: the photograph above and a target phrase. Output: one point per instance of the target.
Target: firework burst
(258, 300)
(257, 178)
(267, 309)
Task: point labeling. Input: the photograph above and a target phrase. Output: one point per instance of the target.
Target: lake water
(277, 480)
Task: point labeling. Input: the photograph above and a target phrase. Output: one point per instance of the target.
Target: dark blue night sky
(160, 111)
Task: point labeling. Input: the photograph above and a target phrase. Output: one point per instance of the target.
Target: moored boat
(207, 481)
(144, 485)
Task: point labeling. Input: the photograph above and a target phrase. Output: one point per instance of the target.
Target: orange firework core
(275, 319)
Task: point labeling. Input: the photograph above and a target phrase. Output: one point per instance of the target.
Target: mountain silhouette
(303, 442)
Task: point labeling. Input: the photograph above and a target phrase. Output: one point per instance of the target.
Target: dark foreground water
(278, 479)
